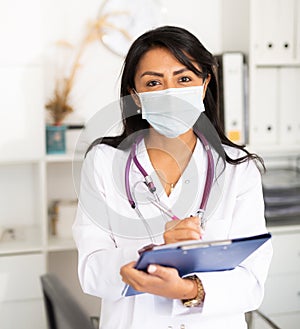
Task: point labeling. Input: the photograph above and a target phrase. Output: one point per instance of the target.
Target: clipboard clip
(224, 243)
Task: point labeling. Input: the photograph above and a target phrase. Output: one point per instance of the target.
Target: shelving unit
(274, 69)
(22, 250)
(59, 175)
(282, 301)
(34, 184)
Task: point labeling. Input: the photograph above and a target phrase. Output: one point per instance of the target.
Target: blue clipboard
(199, 256)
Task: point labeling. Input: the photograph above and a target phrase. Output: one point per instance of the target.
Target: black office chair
(62, 310)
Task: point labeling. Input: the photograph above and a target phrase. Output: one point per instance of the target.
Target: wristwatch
(199, 299)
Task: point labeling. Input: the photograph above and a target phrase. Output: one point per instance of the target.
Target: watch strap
(199, 299)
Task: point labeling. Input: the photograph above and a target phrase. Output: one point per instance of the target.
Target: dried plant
(59, 104)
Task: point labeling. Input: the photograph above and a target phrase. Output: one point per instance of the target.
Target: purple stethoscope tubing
(209, 175)
(148, 180)
(132, 157)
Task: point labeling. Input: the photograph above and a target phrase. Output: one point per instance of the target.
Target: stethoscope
(132, 158)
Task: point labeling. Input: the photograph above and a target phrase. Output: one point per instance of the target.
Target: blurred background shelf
(60, 244)
(69, 157)
(21, 240)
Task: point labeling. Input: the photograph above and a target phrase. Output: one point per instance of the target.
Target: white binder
(264, 107)
(235, 90)
(273, 27)
(289, 114)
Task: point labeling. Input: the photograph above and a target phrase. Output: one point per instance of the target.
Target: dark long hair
(187, 49)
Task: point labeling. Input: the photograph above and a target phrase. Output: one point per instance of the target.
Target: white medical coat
(108, 233)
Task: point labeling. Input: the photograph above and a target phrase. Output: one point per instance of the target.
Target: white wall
(201, 17)
(30, 29)
(235, 30)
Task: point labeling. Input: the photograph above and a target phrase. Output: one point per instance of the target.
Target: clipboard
(199, 256)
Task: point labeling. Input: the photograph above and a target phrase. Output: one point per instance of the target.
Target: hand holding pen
(179, 229)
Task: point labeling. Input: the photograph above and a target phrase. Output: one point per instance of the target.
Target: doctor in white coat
(172, 151)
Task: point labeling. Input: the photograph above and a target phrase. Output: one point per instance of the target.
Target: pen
(164, 209)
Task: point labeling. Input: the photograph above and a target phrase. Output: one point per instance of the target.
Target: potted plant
(59, 105)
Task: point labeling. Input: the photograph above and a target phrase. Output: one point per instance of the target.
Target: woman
(168, 82)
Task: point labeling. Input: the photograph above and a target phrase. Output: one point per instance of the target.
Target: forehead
(160, 59)
(158, 56)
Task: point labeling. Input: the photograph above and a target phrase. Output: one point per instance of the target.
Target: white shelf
(14, 162)
(284, 228)
(19, 247)
(276, 64)
(68, 157)
(60, 244)
(275, 150)
(25, 240)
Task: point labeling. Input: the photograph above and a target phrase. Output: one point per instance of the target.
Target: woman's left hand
(159, 280)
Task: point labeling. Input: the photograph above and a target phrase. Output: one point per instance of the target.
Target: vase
(56, 139)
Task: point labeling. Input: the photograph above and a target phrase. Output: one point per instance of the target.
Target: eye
(152, 83)
(185, 79)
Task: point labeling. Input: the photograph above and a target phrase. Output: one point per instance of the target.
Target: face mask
(172, 112)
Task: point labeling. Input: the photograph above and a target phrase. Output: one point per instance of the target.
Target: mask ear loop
(137, 101)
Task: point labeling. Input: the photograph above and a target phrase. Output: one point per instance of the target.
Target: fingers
(138, 280)
(151, 281)
(188, 223)
(162, 271)
(127, 271)
(181, 230)
(158, 280)
(165, 281)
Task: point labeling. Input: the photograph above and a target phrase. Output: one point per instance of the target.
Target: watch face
(123, 21)
(191, 303)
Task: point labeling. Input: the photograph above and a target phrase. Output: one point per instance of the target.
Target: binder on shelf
(265, 107)
(232, 72)
(289, 114)
(199, 256)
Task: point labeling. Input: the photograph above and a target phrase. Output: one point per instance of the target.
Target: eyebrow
(157, 74)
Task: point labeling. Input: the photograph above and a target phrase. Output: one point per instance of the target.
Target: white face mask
(172, 112)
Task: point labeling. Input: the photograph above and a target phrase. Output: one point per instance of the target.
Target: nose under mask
(172, 112)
